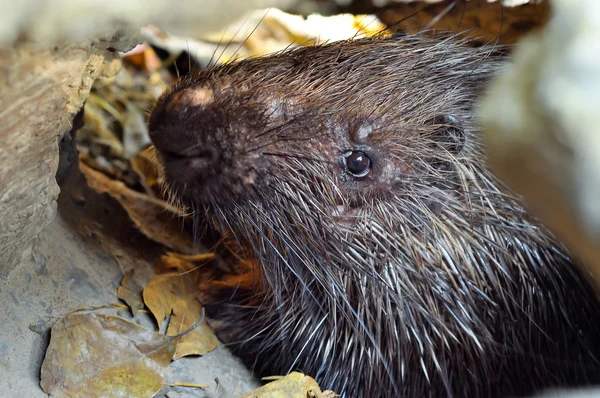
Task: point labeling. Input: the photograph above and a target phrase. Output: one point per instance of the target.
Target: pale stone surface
(47, 22)
(40, 92)
(585, 392)
(541, 124)
(508, 3)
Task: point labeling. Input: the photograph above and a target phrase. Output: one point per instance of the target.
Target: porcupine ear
(448, 133)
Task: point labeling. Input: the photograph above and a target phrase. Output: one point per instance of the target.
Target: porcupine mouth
(199, 177)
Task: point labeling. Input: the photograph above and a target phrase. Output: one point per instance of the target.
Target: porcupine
(384, 257)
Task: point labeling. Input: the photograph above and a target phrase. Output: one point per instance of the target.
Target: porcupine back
(386, 260)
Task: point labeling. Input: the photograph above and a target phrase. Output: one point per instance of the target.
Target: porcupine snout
(204, 151)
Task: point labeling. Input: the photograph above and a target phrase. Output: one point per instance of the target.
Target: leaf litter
(106, 356)
(294, 384)
(153, 217)
(174, 293)
(96, 355)
(130, 291)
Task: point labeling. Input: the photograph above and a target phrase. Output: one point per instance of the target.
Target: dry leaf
(147, 170)
(175, 293)
(130, 291)
(112, 168)
(143, 57)
(181, 263)
(135, 56)
(153, 217)
(199, 342)
(293, 385)
(97, 117)
(104, 356)
(199, 257)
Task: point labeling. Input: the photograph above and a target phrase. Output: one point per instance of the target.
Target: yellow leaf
(128, 380)
(198, 342)
(148, 170)
(294, 385)
(107, 356)
(175, 293)
(161, 292)
(172, 262)
(130, 292)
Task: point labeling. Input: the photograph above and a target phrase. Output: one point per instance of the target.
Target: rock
(40, 93)
(540, 120)
(48, 22)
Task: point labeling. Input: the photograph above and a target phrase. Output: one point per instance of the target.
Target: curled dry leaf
(153, 217)
(198, 257)
(130, 291)
(175, 293)
(104, 356)
(294, 385)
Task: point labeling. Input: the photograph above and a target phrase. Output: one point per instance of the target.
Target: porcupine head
(350, 180)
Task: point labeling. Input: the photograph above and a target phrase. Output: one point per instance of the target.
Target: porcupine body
(384, 258)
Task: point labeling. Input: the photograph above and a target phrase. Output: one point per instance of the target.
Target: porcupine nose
(202, 149)
(188, 150)
(188, 163)
(192, 171)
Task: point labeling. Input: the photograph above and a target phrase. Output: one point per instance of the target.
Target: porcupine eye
(358, 163)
